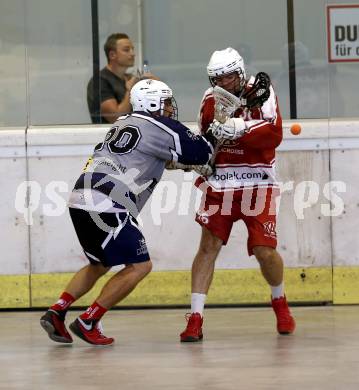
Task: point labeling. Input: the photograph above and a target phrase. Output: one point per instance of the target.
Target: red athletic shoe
(285, 321)
(55, 327)
(91, 333)
(193, 331)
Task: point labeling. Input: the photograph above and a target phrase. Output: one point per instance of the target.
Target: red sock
(94, 312)
(64, 302)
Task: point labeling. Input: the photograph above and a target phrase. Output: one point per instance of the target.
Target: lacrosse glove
(203, 170)
(170, 165)
(231, 129)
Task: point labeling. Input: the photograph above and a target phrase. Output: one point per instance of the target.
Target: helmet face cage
(242, 78)
(159, 107)
(174, 112)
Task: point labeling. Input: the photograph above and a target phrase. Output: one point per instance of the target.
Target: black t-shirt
(111, 87)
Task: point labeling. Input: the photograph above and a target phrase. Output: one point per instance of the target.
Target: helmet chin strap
(160, 112)
(154, 113)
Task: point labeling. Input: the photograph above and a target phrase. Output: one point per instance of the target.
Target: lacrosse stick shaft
(215, 151)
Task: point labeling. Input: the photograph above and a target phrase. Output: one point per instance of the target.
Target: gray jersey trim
(167, 130)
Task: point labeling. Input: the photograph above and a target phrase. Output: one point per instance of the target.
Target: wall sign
(343, 33)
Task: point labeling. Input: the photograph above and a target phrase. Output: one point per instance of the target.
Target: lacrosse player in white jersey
(244, 167)
(116, 183)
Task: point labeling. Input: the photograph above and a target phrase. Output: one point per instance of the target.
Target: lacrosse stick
(225, 105)
(257, 93)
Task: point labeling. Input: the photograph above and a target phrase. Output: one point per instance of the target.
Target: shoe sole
(74, 328)
(192, 339)
(50, 330)
(286, 332)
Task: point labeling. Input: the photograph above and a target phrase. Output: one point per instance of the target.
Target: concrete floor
(241, 350)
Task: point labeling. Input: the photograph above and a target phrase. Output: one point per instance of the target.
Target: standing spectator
(115, 82)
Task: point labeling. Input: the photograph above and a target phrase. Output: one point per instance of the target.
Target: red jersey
(250, 160)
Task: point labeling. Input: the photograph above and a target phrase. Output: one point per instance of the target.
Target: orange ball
(295, 129)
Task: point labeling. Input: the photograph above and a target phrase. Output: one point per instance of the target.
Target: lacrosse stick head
(258, 93)
(225, 104)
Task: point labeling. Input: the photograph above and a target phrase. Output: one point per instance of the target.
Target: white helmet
(149, 95)
(226, 61)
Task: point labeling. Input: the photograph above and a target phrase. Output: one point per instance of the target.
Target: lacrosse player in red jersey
(244, 177)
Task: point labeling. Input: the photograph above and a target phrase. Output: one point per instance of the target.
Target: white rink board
(58, 154)
(345, 226)
(14, 243)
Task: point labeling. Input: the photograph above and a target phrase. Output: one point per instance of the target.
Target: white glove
(203, 170)
(231, 129)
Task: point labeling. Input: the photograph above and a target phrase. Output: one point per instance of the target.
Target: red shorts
(257, 209)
